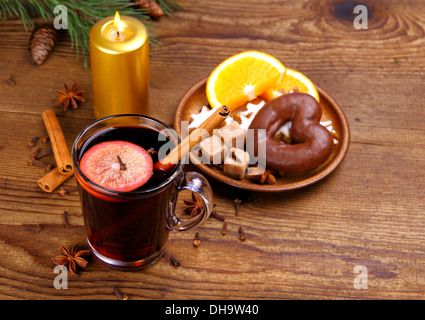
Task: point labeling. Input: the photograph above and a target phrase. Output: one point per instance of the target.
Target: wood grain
(301, 244)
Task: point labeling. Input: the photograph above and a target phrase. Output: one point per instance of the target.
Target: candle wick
(118, 35)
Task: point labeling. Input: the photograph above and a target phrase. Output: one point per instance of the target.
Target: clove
(197, 240)
(36, 228)
(43, 154)
(152, 151)
(50, 167)
(120, 296)
(65, 218)
(39, 163)
(237, 202)
(66, 191)
(9, 80)
(33, 142)
(216, 215)
(174, 261)
(35, 153)
(224, 229)
(242, 234)
(123, 167)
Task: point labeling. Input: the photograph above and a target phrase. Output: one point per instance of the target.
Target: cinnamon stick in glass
(59, 146)
(193, 139)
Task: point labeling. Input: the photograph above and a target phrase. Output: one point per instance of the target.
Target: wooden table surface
(312, 243)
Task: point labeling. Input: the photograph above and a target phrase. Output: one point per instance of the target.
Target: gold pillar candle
(119, 57)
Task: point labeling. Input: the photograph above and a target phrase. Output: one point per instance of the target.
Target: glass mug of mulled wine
(128, 206)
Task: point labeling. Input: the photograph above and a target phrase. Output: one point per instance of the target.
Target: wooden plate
(195, 98)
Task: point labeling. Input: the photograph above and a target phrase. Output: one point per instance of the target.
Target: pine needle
(82, 15)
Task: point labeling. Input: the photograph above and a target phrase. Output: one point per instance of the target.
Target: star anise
(72, 259)
(195, 206)
(70, 97)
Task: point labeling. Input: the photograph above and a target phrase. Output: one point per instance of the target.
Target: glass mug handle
(197, 183)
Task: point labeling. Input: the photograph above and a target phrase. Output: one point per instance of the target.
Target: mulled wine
(128, 225)
(129, 230)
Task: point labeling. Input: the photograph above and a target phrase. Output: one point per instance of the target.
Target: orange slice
(292, 81)
(117, 165)
(242, 78)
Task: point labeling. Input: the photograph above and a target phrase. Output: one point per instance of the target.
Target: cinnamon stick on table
(53, 179)
(60, 148)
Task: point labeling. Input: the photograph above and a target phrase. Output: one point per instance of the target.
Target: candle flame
(118, 25)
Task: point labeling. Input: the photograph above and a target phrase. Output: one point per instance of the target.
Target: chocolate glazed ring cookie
(312, 141)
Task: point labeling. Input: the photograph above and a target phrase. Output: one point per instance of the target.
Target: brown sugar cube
(214, 150)
(233, 135)
(236, 163)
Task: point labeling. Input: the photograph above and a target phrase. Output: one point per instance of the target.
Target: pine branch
(82, 15)
(169, 6)
(16, 8)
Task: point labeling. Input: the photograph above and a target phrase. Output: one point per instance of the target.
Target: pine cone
(155, 10)
(42, 42)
